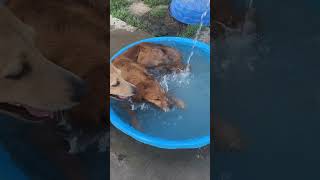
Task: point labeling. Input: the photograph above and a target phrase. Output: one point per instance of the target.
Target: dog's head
(160, 100)
(153, 55)
(153, 93)
(31, 86)
(119, 88)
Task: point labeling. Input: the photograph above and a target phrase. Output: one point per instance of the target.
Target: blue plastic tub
(190, 11)
(156, 141)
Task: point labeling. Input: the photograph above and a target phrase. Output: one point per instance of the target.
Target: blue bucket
(190, 11)
(126, 128)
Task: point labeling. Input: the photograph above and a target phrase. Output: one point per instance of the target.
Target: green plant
(190, 31)
(158, 12)
(116, 5)
(153, 3)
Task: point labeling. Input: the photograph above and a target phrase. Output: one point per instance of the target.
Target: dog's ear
(132, 53)
(113, 68)
(26, 30)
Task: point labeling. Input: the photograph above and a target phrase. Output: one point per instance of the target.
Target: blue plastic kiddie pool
(159, 142)
(190, 11)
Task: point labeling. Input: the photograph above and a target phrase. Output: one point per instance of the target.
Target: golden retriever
(135, 64)
(41, 73)
(156, 56)
(28, 79)
(119, 88)
(72, 35)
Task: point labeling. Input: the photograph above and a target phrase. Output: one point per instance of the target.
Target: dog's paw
(178, 103)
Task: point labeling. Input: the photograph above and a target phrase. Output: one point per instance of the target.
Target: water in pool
(193, 88)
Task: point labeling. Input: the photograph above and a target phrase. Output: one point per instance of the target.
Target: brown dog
(119, 88)
(35, 87)
(73, 36)
(135, 65)
(148, 88)
(155, 56)
(27, 76)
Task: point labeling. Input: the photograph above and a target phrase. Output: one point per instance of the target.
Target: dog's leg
(179, 103)
(176, 102)
(134, 120)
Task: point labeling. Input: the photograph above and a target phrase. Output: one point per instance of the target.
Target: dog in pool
(130, 76)
(135, 65)
(119, 88)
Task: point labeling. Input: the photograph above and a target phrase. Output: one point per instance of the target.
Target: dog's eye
(22, 71)
(116, 84)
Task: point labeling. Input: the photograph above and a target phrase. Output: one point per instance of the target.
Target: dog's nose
(79, 89)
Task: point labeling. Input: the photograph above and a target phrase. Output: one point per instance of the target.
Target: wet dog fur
(27, 76)
(66, 42)
(74, 37)
(158, 57)
(136, 64)
(119, 88)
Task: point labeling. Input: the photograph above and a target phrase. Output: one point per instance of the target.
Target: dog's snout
(79, 89)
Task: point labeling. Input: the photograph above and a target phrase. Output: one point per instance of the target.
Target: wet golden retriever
(53, 59)
(73, 36)
(135, 65)
(119, 88)
(28, 79)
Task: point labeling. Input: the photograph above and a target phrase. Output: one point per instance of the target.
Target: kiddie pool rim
(148, 139)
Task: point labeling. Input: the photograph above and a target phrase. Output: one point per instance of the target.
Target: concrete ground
(132, 160)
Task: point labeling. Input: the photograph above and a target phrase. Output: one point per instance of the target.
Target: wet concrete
(132, 160)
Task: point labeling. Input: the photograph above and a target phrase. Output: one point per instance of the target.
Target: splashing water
(204, 14)
(181, 79)
(191, 87)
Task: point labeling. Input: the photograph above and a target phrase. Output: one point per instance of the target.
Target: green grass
(120, 9)
(153, 3)
(159, 12)
(190, 31)
(116, 5)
